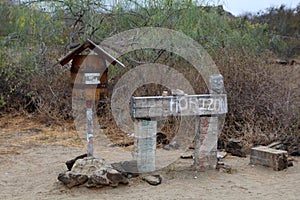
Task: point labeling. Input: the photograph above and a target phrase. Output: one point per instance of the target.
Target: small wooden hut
(89, 71)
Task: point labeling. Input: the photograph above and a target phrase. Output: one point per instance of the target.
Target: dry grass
(19, 133)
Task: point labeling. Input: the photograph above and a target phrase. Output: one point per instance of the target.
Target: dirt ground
(31, 157)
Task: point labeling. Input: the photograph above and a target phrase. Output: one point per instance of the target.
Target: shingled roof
(91, 45)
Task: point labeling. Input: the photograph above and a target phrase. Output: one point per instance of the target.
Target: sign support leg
(197, 142)
(145, 144)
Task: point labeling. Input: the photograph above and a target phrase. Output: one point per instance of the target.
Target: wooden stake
(89, 136)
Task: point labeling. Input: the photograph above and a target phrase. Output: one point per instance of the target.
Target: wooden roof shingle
(91, 45)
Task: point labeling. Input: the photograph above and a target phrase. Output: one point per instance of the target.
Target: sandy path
(32, 175)
(31, 157)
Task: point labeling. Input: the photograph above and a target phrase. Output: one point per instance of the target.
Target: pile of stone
(91, 172)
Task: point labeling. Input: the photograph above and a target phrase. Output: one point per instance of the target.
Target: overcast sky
(237, 7)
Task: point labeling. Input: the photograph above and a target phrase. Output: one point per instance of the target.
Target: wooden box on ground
(262, 155)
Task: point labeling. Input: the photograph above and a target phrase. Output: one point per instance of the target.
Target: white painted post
(89, 136)
(90, 79)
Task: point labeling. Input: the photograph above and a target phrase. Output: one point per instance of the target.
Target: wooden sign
(185, 105)
(88, 72)
(89, 77)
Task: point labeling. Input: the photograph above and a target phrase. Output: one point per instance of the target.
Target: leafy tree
(285, 24)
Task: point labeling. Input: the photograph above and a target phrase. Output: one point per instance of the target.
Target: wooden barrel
(89, 77)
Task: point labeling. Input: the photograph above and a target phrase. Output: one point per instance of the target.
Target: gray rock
(295, 151)
(114, 177)
(92, 172)
(127, 168)
(224, 168)
(234, 147)
(172, 146)
(98, 179)
(290, 164)
(71, 180)
(153, 179)
(278, 145)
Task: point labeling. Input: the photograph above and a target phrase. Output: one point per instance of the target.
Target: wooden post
(89, 136)
(207, 131)
(197, 142)
(145, 144)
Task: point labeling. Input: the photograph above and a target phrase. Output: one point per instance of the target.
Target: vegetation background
(263, 96)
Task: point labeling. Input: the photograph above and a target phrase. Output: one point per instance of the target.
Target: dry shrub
(51, 96)
(263, 99)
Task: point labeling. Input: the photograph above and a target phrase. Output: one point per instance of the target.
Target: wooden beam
(73, 53)
(185, 105)
(104, 54)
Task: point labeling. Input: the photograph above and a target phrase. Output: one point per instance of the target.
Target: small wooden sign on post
(89, 80)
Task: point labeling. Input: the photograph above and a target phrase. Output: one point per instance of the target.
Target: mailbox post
(90, 135)
(89, 81)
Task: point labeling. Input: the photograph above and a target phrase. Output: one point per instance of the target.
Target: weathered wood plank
(185, 105)
(262, 155)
